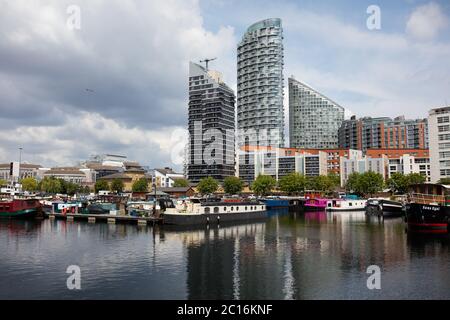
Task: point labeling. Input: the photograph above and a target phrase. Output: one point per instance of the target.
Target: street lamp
(154, 202)
(20, 161)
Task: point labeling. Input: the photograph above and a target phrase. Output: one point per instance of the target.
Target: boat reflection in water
(316, 217)
(310, 255)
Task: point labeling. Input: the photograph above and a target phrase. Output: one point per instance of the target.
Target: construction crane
(206, 61)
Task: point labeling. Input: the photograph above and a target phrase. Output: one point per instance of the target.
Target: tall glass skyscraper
(314, 120)
(260, 113)
(211, 150)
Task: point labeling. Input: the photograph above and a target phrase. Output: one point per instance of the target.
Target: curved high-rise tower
(260, 113)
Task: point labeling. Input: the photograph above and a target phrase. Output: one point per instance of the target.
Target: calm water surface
(289, 256)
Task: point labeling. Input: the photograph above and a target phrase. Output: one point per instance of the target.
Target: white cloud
(88, 133)
(426, 21)
(134, 55)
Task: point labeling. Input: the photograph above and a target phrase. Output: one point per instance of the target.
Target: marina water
(313, 255)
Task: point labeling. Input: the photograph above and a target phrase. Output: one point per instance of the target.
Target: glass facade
(314, 120)
(383, 133)
(260, 113)
(211, 148)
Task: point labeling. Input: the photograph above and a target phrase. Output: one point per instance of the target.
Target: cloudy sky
(119, 83)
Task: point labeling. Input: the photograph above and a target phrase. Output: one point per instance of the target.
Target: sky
(116, 79)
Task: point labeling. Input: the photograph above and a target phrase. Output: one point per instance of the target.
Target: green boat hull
(26, 213)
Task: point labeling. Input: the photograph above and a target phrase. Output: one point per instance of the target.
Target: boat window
(207, 210)
(237, 208)
(224, 208)
(245, 208)
(350, 204)
(216, 209)
(232, 208)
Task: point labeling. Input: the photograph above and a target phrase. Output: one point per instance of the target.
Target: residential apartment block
(314, 120)
(260, 112)
(439, 135)
(211, 125)
(383, 133)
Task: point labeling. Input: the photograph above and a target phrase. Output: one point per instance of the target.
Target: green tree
(352, 184)
(445, 181)
(85, 190)
(335, 179)
(415, 178)
(263, 185)
(367, 183)
(292, 183)
(72, 188)
(208, 185)
(29, 184)
(321, 183)
(181, 182)
(400, 183)
(233, 185)
(101, 185)
(117, 185)
(50, 185)
(3, 182)
(140, 185)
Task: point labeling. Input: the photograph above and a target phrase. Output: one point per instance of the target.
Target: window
(207, 210)
(444, 137)
(444, 145)
(216, 209)
(443, 119)
(445, 154)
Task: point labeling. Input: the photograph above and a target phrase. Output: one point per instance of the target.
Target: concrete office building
(211, 125)
(279, 162)
(260, 112)
(439, 141)
(362, 165)
(314, 120)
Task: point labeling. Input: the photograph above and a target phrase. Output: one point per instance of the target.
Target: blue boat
(276, 203)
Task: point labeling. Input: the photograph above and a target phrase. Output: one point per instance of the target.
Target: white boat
(346, 205)
(213, 211)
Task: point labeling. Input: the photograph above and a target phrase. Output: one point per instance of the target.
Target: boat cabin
(430, 193)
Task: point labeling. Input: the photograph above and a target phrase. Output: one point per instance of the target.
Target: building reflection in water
(289, 258)
(313, 255)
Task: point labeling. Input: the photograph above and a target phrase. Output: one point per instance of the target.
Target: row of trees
(53, 185)
(363, 184)
(263, 184)
(369, 183)
(118, 186)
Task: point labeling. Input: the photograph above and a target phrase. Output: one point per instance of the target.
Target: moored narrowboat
(213, 211)
(384, 207)
(20, 208)
(428, 209)
(315, 204)
(346, 205)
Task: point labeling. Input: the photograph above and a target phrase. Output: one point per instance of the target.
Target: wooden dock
(109, 218)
